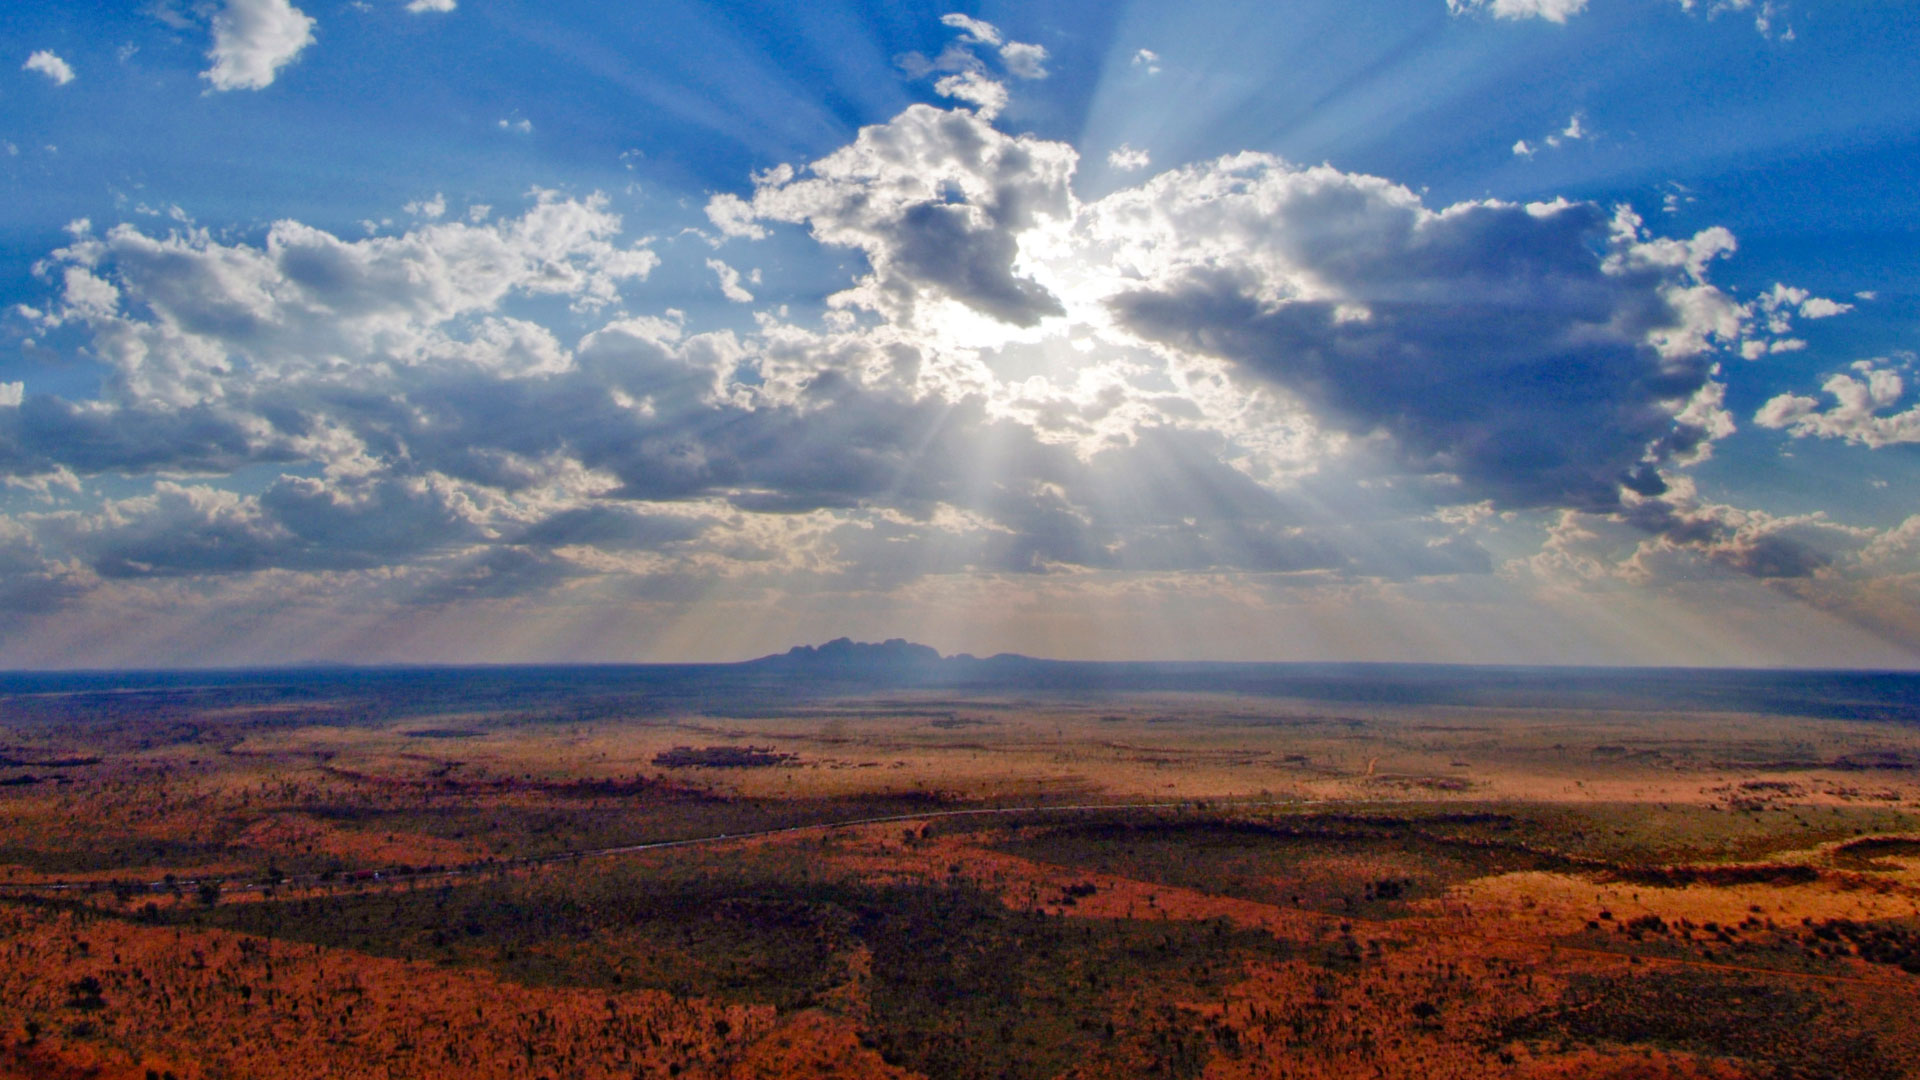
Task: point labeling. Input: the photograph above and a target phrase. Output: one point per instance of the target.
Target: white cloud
(1128, 159)
(420, 6)
(297, 305)
(1574, 131)
(730, 286)
(46, 63)
(935, 199)
(988, 96)
(1551, 10)
(1765, 12)
(973, 31)
(1859, 413)
(733, 216)
(518, 127)
(11, 394)
(253, 40)
(431, 209)
(1240, 367)
(1024, 61)
(1148, 60)
(964, 74)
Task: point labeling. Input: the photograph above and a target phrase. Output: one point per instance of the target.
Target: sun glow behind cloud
(1237, 408)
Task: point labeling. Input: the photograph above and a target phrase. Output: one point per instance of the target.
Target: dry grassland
(918, 884)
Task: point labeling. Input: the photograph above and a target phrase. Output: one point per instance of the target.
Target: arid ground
(474, 876)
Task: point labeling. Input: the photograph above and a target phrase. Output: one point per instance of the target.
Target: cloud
(431, 209)
(935, 200)
(1574, 131)
(1557, 11)
(1748, 542)
(1860, 412)
(1128, 159)
(1241, 367)
(1535, 354)
(733, 216)
(188, 321)
(46, 63)
(1147, 60)
(30, 583)
(253, 40)
(730, 286)
(964, 76)
(1766, 13)
(297, 523)
(988, 96)
(516, 126)
(972, 31)
(615, 528)
(1024, 61)
(418, 7)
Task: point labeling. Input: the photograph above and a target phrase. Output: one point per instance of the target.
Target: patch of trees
(1876, 943)
(720, 757)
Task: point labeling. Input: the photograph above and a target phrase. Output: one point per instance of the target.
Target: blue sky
(1496, 331)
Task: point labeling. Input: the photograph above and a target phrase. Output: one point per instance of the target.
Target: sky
(483, 331)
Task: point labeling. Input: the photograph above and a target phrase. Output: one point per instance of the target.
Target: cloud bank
(1238, 371)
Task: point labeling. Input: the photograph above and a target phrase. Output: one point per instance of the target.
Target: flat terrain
(545, 874)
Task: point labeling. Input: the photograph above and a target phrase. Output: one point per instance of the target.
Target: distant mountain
(899, 662)
(850, 656)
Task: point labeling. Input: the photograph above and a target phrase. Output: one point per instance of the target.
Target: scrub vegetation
(535, 879)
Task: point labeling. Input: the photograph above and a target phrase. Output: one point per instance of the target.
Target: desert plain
(554, 873)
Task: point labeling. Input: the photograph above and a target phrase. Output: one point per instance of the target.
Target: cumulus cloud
(965, 77)
(730, 286)
(936, 200)
(1024, 61)
(1574, 131)
(1551, 10)
(1749, 542)
(253, 40)
(1766, 13)
(1860, 413)
(988, 96)
(1128, 158)
(188, 321)
(1147, 60)
(46, 63)
(1239, 367)
(296, 523)
(972, 31)
(421, 6)
(1489, 342)
(431, 209)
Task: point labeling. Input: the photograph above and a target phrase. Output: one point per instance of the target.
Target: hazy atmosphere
(1513, 331)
